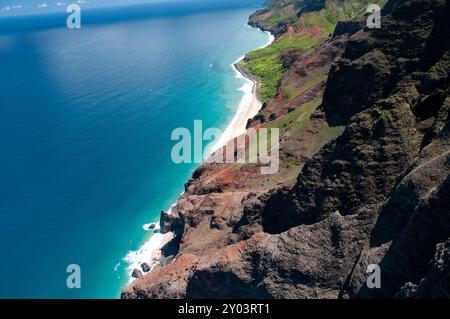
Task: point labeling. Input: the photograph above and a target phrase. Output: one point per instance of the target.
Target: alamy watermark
(73, 21)
(260, 146)
(74, 279)
(374, 279)
(374, 19)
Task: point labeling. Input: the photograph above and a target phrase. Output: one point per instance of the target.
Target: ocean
(86, 118)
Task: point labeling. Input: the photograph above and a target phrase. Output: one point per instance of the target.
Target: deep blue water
(85, 123)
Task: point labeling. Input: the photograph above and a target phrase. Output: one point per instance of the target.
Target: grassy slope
(308, 31)
(265, 64)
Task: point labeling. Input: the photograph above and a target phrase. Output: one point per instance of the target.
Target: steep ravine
(364, 174)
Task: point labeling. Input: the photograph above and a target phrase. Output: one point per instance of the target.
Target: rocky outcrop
(347, 27)
(278, 15)
(364, 178)
(171, 223)
(277, 29)
(436, 283)
(145, 267)
(137, 274)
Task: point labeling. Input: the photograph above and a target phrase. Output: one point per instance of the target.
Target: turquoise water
(85, 123)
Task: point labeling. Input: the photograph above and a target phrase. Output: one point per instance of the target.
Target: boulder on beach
(171, 222)
(137, 274)
(145, 267)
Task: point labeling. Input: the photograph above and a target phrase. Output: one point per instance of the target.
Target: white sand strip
(249, 105)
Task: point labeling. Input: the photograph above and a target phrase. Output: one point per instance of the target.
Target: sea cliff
(364, 172)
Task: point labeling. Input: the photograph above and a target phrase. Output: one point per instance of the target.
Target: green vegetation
(306, 32)
(289, 161)
(276, 18)
(284, 11)
(294, 123)
(349, 9)
(265, 64)
(328, 133)
(296, 120)
(278, 12)
(325, 19)
(289, 92)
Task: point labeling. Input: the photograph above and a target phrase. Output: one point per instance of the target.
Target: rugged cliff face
(364, 175)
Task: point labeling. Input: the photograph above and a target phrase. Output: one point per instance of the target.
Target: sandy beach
(249, 105)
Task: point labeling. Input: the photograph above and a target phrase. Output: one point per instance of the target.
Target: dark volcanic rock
(171, 223)
(367, 71)
(347, 27)
(290, 57)
(276, 30)
(362, 166)
(436, 283)
(145, 267)
(137, 274)
(407, 291)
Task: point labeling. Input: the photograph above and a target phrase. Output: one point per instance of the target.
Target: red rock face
(365, 179)
(290, 32)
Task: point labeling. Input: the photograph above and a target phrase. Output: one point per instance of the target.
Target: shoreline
(149, 252)
(249, 106)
